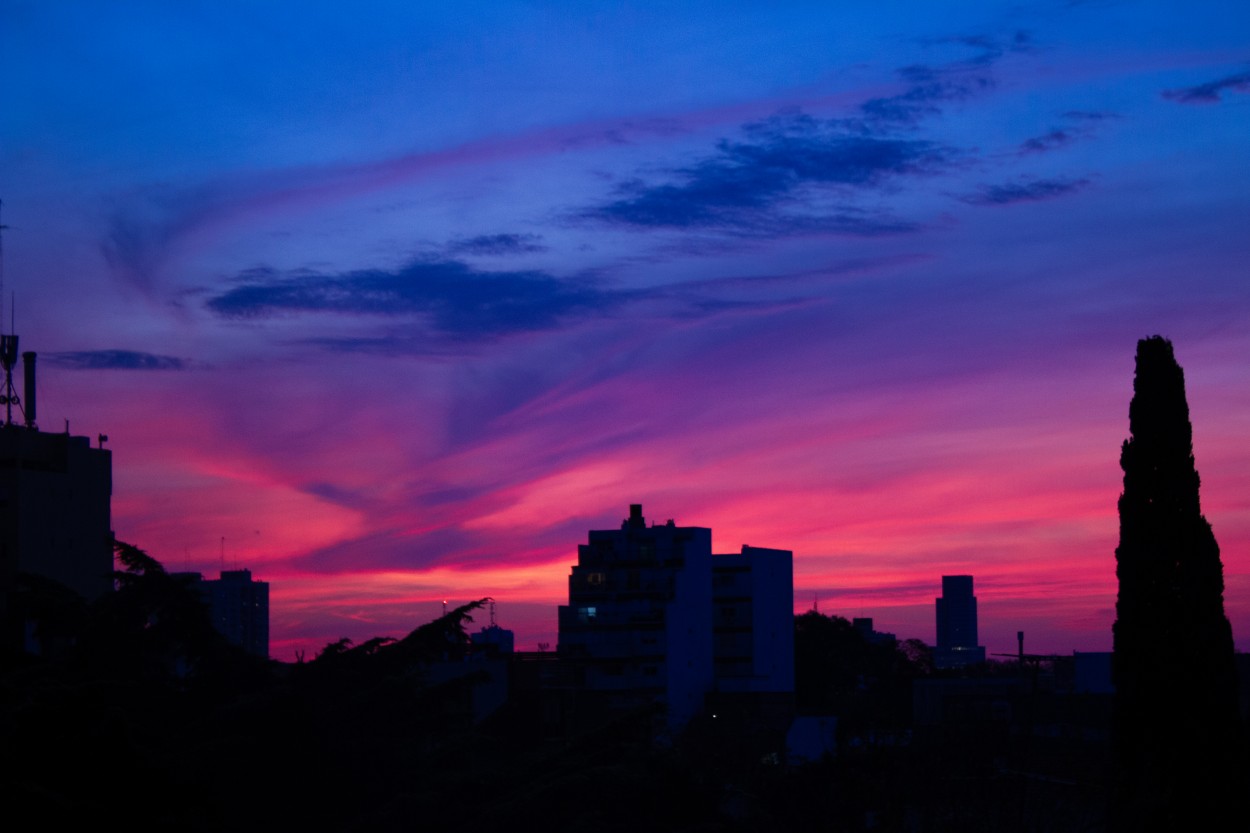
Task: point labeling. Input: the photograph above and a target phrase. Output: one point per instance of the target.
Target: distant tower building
(493, 639)
(957, 625)
(239, 608)
(638, 625)
(55, 494)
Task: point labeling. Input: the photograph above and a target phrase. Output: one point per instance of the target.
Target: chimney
(28, 362)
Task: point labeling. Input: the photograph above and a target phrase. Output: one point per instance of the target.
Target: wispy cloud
(988, 48)
(750, 184)
(497, 244)
(1051, 140)
(1079, 125)
(932, 85)
(1212, 91)
(145, 223)
(438, 306)
(1090, 115)
(116, 360)
(930, 88)
(455, 298)
(1033, 190)
(779, 175)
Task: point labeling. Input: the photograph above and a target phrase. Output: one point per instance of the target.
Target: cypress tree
(1177, 730)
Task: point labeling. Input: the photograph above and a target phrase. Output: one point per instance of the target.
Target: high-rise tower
(957, 625)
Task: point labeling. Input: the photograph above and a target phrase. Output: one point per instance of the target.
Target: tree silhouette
(443, 638)
(838, 671)
(1177, 730)
(135, 563)
(154, 623)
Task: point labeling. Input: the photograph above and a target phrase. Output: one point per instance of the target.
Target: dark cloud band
(1212, 91)
(498, 244)
(457, 299)
(116, 360)
(752, 185)
(1029, 191)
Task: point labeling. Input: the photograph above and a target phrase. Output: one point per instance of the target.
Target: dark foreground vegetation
(137, 712)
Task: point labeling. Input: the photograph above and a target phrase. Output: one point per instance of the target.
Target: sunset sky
(391, 307)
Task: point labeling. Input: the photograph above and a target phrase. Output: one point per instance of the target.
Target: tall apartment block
(638, 623)
(655, 619)
(957, 625)
(238, 606)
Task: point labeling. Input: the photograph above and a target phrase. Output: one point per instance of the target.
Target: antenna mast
(2, 228)
(8, 347)
(8, 358)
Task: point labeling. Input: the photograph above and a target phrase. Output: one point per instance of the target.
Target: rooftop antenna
(8, 358)
(8, 345)
(492, 613)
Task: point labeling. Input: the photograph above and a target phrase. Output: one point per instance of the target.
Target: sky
(392, 305)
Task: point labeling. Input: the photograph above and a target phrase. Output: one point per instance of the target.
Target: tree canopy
(1176, 703)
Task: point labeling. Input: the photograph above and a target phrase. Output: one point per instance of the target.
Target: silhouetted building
(239, 608)
(493, 640)
(957, 625)
(655, 619)
(639, 618)
(55, 493)
(863, 626)
(753, 625)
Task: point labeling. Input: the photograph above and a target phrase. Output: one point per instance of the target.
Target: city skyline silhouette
(392, 309)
